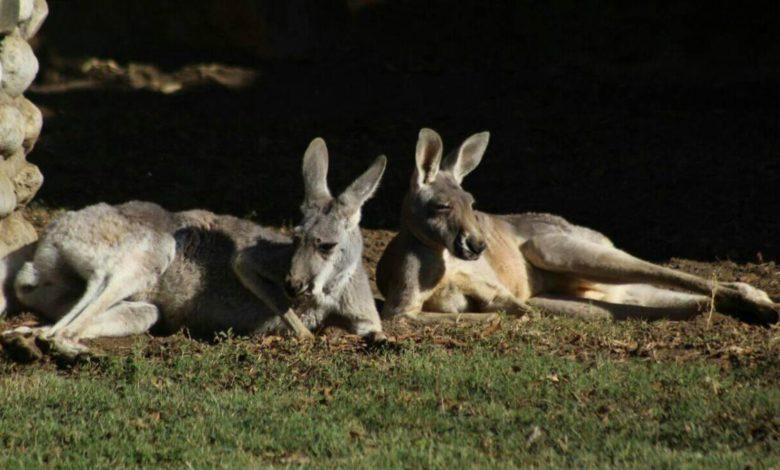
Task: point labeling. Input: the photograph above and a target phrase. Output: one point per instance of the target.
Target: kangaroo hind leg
(128, 274)
(123, 319)
(561, 253)
(623, 302)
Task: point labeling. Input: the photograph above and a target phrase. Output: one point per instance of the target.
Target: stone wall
(20, 120)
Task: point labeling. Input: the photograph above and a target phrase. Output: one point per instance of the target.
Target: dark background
(657, 123)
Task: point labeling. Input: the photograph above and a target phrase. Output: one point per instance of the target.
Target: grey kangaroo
(119, 270)
(451, 263)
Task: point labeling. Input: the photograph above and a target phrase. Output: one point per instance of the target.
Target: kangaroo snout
(468, 246)
(293, 287)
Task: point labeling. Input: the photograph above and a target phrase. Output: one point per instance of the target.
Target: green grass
(544, 393)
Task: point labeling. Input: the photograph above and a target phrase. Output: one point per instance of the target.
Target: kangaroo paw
(376, 338)
(62, 348)
(20, 345)
(749, 292)
(746, 306)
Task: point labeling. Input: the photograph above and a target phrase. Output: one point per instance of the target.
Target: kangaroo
(451, 263)
(108, 271)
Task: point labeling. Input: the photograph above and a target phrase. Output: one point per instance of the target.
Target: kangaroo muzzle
(468, 247)
(294, 288)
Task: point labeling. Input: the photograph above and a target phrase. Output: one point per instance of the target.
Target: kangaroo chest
(481, 285)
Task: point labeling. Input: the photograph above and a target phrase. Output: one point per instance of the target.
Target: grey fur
(119, 270)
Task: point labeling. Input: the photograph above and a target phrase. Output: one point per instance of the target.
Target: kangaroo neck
(433, 249)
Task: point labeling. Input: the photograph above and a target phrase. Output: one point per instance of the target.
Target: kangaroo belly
(448, 297)
(478, 286)
(200, 291)
(206, 298)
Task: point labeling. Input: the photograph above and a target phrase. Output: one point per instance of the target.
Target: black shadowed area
(656, 124)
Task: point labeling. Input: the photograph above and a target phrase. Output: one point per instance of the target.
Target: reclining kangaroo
(118, 270)
(451, 263)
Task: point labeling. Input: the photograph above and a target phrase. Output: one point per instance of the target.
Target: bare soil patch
(718, 338)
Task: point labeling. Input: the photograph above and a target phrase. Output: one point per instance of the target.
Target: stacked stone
(20, 120)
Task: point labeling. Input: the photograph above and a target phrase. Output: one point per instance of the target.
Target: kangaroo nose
(468, 247)
(293, 288)
(476, 245)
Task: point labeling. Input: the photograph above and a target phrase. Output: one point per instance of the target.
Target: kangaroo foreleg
(247, 273)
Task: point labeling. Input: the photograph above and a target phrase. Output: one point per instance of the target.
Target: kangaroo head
(328, 244)
(437, 210)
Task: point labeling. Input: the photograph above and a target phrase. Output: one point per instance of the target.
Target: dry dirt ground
(666, 165)
(717, 337)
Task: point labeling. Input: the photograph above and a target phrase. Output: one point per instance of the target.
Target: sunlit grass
(516, 396)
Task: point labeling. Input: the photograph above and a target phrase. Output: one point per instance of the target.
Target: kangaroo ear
(428, 157)
(364, 186)
(315, 173)
(468, 156)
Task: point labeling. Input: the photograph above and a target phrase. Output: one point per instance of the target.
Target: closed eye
(326, 248)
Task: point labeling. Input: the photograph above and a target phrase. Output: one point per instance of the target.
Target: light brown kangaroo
(450, 263)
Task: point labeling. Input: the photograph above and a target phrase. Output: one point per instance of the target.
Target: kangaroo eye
(326, 248)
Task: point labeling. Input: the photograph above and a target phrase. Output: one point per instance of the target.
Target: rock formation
(20, 120)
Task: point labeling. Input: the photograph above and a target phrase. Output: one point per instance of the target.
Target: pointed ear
(428, 157)
(468, 156)
(364, 186)
(315, 173)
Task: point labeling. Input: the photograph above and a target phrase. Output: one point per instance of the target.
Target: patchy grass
(542, 392)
